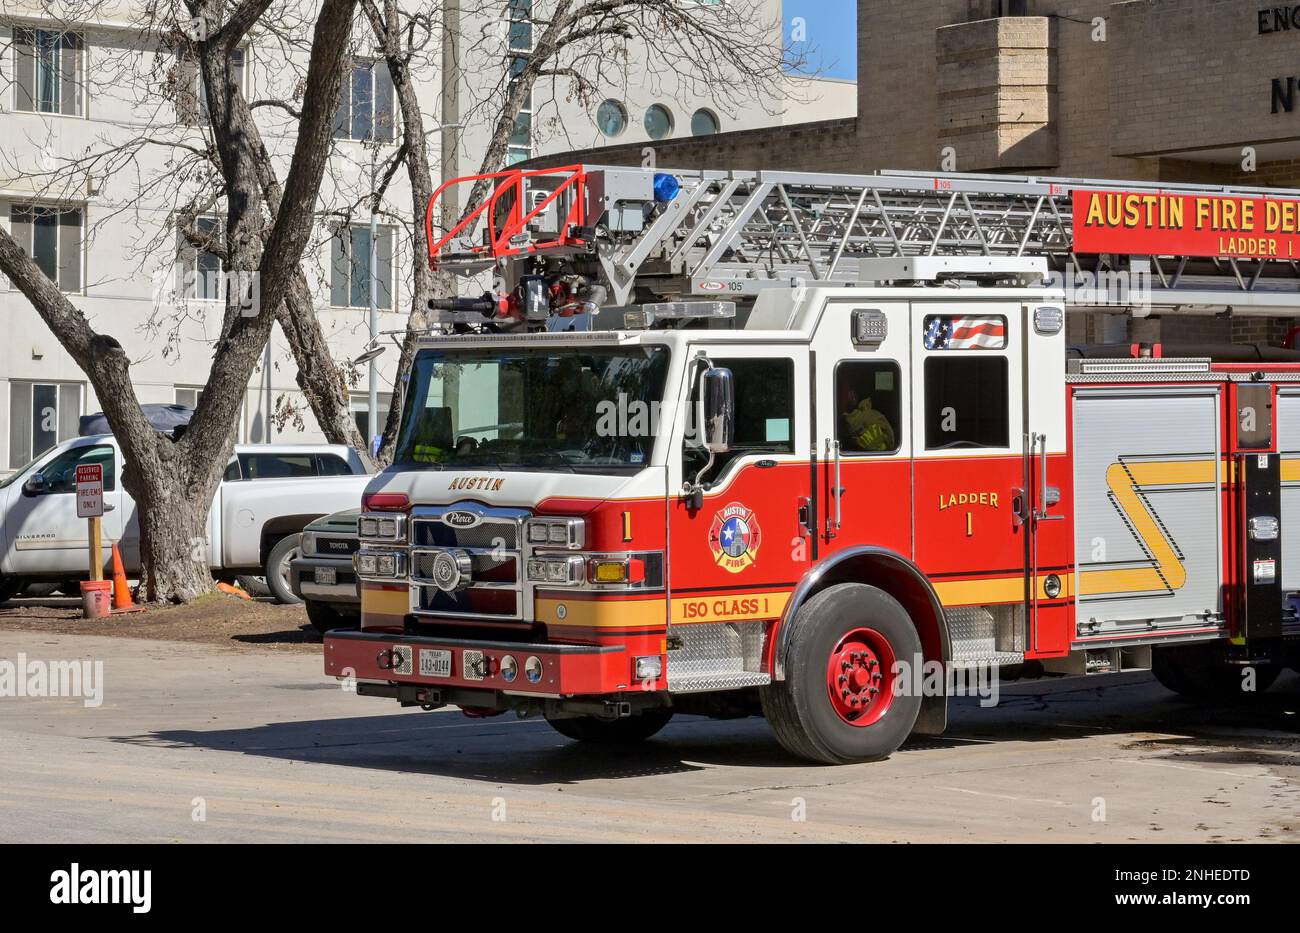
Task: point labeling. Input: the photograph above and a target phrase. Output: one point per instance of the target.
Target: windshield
(19, 474)
(575, 410)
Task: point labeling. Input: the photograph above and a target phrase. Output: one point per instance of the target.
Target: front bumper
(567, 670)
(302, 580)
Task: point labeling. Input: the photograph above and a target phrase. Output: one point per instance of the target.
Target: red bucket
(97, 598)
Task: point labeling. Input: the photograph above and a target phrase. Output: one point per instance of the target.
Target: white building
(108, 234)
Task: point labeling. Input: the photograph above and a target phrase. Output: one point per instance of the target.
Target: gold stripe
(602, 613)
(385, 602)
(736, 607)
(998, 590)
(1125, 482)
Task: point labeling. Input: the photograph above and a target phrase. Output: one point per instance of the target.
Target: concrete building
(107, 234)
(1174, 90)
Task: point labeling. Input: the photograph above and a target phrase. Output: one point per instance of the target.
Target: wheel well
(900, 578)
(281, 527)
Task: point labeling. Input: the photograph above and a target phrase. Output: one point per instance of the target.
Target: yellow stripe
(384, 602)
(1291, 469)
(1126, 482)
(601, 613)
(998, 590)
(738, 607)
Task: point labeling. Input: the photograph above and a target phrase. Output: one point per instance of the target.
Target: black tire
(626, 731)
(41, 589)
(1201, 673)
(10, 587)
(800, 709)
(277, 569)
(326, 618)
(253, 586)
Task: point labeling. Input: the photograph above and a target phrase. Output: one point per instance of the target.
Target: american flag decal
(965, 332)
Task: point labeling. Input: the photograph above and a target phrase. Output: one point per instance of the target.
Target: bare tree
(730, 52)
(173, 481)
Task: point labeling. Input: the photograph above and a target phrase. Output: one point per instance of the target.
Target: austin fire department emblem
(734, 537)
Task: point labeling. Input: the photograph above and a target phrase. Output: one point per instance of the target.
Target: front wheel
(10, 587)
(277, 569)
(842, 699)
(625, 731)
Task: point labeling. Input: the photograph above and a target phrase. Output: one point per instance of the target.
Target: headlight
(556, 571)
(382, 527)
(307, 544)
(380, 563)
(568, 533)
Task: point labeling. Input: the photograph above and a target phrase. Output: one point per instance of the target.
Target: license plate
(434, 662)
(326, 576)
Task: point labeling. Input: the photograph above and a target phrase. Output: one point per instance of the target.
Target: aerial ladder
(567, 240)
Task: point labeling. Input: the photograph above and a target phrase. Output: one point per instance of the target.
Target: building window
(869, 407)
(189, 396)
(658, 121)
(520, 147)
(52, 237)
(192, 98)
(611, 118)
(41, 414)
(48, 71)
(350, 267)
(199, 270)
(360, 405)
(704, 122)
(966, 402)
(366, 104)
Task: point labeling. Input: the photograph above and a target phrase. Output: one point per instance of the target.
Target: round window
(611, 118)
(704, 123)
(658, 121)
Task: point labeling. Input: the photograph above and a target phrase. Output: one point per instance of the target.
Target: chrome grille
(495, 590)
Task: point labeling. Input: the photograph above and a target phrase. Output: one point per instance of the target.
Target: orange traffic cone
(121, 592)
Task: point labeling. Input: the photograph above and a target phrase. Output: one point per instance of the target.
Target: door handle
(835, 521)
(1047, 495)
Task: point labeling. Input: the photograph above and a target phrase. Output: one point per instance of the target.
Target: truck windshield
(581, 410)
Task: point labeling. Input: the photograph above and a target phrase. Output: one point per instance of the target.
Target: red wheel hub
(860, 677)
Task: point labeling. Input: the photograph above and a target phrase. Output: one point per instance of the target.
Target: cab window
(61, 472)
(966, 402)
(869, 407)
(277, 466)
(764, 414)
(332, 465)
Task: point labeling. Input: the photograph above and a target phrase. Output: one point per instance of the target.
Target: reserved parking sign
(90, 490)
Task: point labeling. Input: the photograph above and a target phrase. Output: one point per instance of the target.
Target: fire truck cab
(733, 444)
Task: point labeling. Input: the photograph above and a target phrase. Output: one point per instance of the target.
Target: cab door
(972, 486)
(47, 535)
(737, 557)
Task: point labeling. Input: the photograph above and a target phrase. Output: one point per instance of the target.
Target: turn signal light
(627, 570)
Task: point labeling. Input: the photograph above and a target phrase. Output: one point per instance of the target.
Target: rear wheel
(277, 569)
(840, 701)
(1202, 673)
(625, 731)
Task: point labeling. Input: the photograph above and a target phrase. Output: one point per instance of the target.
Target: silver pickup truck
(322, 576)
(269, 493)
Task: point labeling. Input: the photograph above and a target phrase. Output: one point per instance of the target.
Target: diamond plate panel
(973, 630)
(717, 656)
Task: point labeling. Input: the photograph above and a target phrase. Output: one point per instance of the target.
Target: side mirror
(36, 485)
(717, 410)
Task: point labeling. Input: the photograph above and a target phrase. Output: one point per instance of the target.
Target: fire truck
(762, 443)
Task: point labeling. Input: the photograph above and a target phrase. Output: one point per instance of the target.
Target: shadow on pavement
(528, 752)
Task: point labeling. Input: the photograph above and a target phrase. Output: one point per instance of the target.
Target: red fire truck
(733, 443)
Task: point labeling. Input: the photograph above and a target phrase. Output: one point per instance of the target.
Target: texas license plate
(326, 576)
(434, 662)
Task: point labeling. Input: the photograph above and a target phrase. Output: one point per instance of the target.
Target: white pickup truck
(268, 494)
